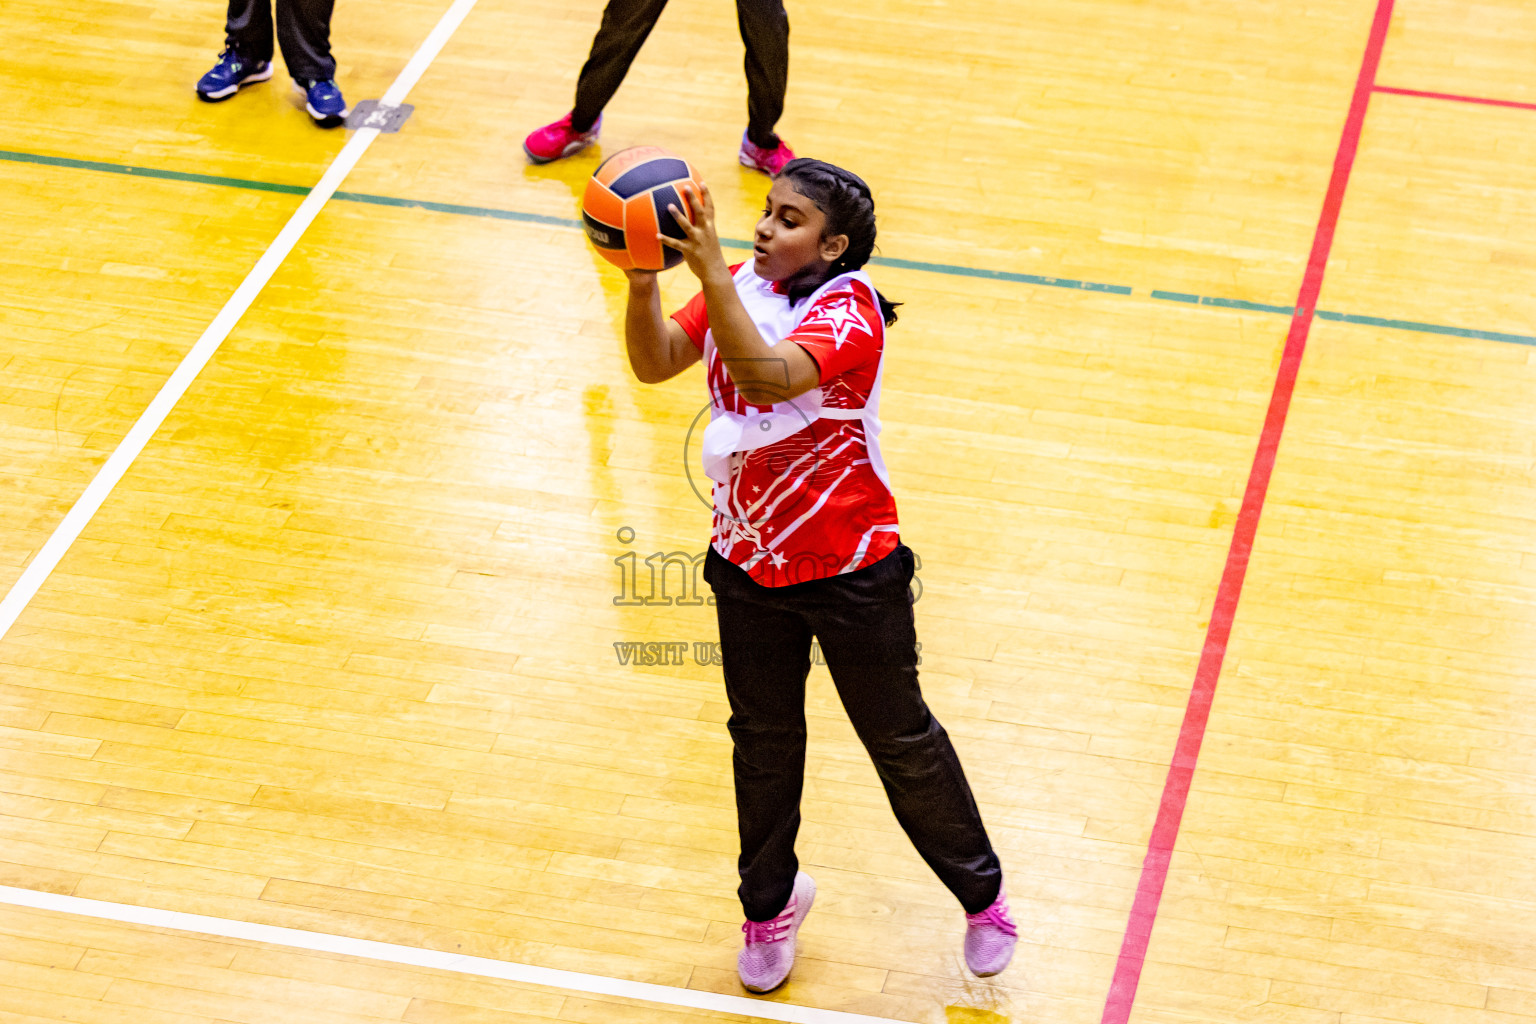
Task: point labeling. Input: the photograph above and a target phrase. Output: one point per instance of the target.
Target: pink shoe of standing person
(769, 161)
(554, 141)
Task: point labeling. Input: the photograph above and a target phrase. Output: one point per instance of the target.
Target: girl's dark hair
(850, 208)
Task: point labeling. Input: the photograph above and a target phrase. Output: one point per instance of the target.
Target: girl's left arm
(763, 374)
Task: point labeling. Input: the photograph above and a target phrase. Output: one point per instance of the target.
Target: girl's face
(788, 242)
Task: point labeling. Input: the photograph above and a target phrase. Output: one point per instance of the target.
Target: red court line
(1453, 97)
(1170, 811)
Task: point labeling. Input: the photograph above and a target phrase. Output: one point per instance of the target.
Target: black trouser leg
(304, 33)
(864, 622)
(767, 655)
(869, 638)
(765, 31)
(248, 28)
(626, 24)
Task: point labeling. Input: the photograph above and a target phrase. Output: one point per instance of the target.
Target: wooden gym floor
(338, 653)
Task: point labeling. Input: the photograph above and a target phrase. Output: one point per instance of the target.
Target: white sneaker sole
(230, 90)
(571, 149)
(753, 165)
(327, 117)
(319, 118)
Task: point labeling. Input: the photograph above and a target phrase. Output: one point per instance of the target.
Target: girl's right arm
(658, 346)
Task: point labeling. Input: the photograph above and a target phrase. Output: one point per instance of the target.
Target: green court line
(1349, 318)
(998, 275)
(152, 172)
(1413, 325)
(950, 269)
(517, 215)
(734, 243)
(1207, 300)
(466, 211)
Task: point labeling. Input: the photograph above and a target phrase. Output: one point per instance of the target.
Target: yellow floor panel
(1378, 683)
(1435, 231)
(1173, 146)
(362, 674)
(62, 967)
(1448, 47)
(114, 81)
(340, 652)
(107, 282)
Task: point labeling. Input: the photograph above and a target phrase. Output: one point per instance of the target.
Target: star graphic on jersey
(778, 560)
(841, 315)
(742, 532)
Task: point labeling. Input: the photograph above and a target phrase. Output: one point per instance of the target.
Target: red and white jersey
(800, 490)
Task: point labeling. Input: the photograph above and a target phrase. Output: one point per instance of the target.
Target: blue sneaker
(229, 74)
(323, 101)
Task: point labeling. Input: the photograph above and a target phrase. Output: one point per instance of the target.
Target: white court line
(410, 956)
(106, 478)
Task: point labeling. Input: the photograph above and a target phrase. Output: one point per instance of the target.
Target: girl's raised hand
(700, 244)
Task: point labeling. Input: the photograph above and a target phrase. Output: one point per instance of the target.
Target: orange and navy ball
(626, 205)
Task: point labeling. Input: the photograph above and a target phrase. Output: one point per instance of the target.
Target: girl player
(805, 545)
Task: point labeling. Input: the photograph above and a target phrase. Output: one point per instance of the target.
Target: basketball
(626, 202)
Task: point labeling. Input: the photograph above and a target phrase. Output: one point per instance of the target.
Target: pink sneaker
(989, 938)
(769, 161)
(557, 140)
(770, 950)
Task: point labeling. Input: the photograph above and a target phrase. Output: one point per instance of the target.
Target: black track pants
(626, 24)
(863, 621)
(303, 31)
